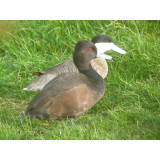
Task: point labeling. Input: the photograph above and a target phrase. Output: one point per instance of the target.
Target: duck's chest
(89, 99)
(100, 65)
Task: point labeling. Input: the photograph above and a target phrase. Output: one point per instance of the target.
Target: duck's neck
(91, 74)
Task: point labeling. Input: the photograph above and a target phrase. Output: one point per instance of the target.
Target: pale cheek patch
(103, 47)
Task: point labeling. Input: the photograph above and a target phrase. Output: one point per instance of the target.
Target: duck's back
(68, 95)
(47, 75)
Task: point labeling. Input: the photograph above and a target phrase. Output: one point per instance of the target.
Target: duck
(70, 94)
(102, 42)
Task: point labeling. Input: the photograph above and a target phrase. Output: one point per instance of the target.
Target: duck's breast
(100, 65)
(68, 95)
(72, 103)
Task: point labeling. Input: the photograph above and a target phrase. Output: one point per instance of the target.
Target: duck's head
(105, 43)
(84, 52)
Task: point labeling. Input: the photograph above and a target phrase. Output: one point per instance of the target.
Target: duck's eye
(90, 49)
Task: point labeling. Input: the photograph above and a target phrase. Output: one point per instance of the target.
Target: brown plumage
(70, 94)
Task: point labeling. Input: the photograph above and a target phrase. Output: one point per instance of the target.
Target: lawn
(130, 108)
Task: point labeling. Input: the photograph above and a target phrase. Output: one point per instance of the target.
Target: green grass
(130, 108)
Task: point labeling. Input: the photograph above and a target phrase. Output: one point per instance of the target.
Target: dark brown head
(105, 43)
(102, 39)
(84, 52)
